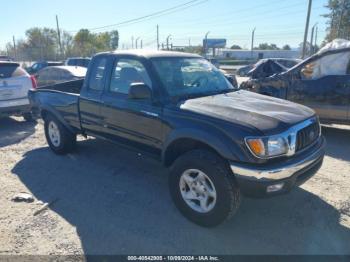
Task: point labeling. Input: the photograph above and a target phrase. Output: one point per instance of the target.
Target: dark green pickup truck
(218, 142)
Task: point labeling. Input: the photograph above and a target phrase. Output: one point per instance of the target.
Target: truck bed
(63, 105)
(72, 87)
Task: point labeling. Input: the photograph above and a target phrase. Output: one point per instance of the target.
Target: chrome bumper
(280, 171)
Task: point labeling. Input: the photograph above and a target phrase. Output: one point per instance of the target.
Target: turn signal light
(257, 146)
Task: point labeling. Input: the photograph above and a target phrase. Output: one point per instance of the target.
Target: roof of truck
(154, 53)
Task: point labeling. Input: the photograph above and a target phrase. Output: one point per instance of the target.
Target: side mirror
(140, 91)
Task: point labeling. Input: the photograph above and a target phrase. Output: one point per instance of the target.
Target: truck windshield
(190, 77)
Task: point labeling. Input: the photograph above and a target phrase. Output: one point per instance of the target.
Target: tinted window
(127, 72)
(97, 74)
(7, 71)
(66, 76)
(43, 75)
(72, 62)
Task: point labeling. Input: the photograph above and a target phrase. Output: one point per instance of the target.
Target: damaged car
(321, 82)
(267, 67)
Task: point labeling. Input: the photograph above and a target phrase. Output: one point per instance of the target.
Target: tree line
(338, 19)
(43, 44)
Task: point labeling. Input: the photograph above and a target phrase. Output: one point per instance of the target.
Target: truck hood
(269, 115)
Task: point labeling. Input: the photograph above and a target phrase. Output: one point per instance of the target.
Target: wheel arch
(46, 111)
(186, 140)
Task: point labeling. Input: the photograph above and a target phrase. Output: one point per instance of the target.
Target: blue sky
(276, 21)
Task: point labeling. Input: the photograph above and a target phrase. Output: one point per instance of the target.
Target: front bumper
(255, 181)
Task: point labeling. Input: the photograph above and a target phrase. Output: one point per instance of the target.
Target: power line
(157, 14)
(226, 15)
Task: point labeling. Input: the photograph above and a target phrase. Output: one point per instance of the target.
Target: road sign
(214, 43)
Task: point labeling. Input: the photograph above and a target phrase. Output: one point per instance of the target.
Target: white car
(15, 83)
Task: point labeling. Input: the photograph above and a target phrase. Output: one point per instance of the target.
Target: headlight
(268, 147)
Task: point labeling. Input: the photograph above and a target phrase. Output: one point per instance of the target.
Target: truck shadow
(119, 203)
(338, 140)
(13, 131)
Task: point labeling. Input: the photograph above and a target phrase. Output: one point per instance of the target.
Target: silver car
(15, 83)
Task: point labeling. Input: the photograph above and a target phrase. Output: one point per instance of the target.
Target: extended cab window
(333, 64)
(97, 75)
(127, 72)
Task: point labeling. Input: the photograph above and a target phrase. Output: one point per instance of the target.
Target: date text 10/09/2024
(173, 258)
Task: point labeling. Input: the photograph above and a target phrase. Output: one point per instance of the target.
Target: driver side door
(134, 122)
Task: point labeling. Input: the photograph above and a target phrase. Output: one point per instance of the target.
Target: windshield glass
(184, 77)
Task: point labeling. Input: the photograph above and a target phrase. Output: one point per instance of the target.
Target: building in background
(256, 54)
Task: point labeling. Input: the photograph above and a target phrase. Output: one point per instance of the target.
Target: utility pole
(137, 39)
(167, 42)
(158, 37)
(59, 37)
(14, 47)
(252, 44)
(306, 29)
(132, 42)
(312, 39)
(316, 38)
(206, 44)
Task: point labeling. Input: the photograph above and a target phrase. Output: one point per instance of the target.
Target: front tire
(59, 138)
(203, 188)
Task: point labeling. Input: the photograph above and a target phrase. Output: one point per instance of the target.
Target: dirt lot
(112, 201)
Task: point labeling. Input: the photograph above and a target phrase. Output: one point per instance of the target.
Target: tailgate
(14, 88)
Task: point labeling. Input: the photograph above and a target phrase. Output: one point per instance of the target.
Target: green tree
(286, 47)
(41, 43)
(266, 46)
(338, 19)
(84, 43)
(236, 47)
(114, 43)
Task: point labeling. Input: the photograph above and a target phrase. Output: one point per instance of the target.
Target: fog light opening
(275, 188)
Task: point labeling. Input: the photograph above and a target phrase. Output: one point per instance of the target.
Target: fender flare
(56, 114)
(214, 141)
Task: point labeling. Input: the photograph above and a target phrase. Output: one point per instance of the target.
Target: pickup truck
(217, 141)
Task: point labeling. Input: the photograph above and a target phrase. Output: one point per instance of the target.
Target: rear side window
(72, 62)
(97, 75)
(7, 71)
(127, 72)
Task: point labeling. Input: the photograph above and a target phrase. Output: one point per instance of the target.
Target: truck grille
(307, 136)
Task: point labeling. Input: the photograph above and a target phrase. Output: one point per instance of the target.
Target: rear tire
(215, 177)
(59, 138)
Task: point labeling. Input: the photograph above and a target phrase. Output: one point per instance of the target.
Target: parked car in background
(78, 61)
(283, 63)
(5, 58)
(36, 67)
(58, 74)
(321, 82)
(15, 83)
(243, 71)
(218, 142)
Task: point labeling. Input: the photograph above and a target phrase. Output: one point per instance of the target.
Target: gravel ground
(112, 201)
